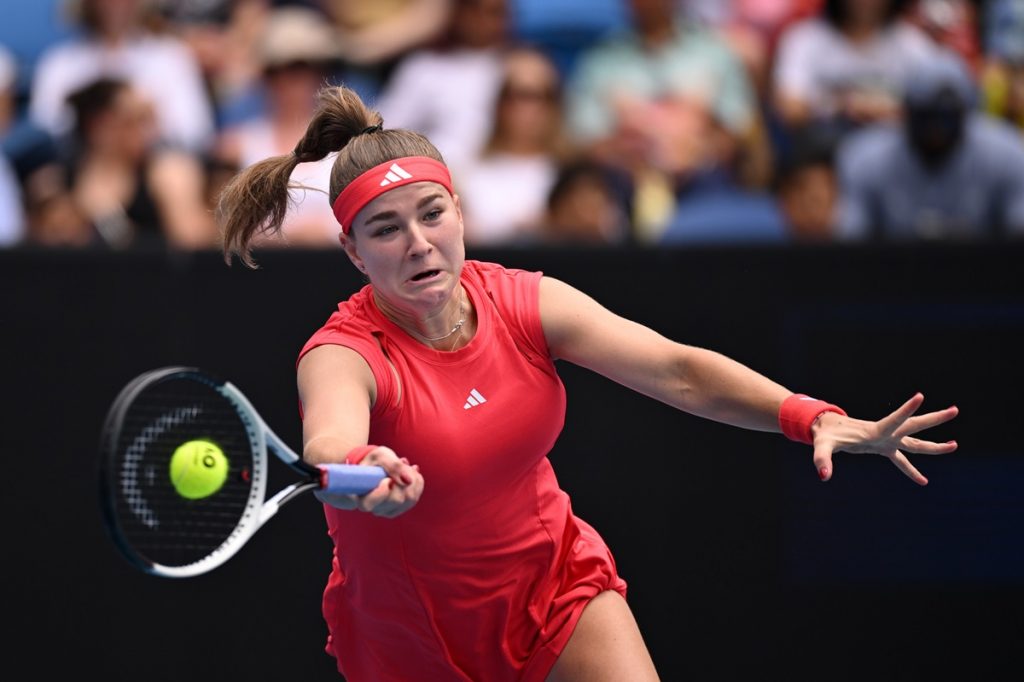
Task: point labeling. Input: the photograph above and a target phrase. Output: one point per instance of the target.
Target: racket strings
(158, 523)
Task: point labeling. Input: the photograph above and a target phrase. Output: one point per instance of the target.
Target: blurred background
(830, 192)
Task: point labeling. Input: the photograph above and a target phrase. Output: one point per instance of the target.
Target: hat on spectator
(298, 35)
(942, 72)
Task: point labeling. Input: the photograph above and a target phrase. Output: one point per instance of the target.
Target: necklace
(455, 341)
(458, 325)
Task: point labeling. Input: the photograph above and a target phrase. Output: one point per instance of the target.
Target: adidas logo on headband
(367, 185)
(394, 174)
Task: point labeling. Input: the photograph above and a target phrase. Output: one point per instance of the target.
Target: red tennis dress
(485, 578)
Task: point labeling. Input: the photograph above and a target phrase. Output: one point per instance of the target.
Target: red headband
(384, 177)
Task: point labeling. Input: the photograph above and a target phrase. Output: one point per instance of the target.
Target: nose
(419, 245)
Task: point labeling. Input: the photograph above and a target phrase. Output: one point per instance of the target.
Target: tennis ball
(198, 469)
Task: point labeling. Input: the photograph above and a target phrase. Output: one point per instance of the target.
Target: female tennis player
(467, 562)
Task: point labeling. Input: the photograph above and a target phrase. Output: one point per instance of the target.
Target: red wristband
(356, 454)
(798, 413)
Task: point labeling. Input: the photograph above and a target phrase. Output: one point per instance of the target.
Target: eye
(433, 214)
(385, 230)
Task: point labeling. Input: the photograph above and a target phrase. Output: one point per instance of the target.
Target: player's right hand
(398, 492)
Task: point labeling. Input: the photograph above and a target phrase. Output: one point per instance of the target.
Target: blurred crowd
(583, 122)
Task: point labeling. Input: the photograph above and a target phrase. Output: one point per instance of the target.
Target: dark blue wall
(741, 564)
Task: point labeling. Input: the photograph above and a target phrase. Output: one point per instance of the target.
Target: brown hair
(557, 143)
(256, 200)
(93, 99)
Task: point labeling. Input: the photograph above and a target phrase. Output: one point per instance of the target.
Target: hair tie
(372, 129)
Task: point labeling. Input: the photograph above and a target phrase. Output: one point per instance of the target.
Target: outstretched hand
(891, 437)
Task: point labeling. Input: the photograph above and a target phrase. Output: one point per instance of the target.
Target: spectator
(584, 208)
(806, 186)
(710, 205)
(296, 54)
(1002, 73)
(504, 190)
(376, 34)
(950, 172)
(114, 43)
(134, 191)
(631, 91)
(447, 91)
(847, 66)
(750, 27)
(222, 34)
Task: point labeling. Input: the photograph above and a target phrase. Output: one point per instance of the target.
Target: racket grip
(349, 479)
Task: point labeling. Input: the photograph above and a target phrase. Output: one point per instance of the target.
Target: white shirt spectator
(447, 96)
(161, 67)
(310, 216)
(504, 197)
(817, 64)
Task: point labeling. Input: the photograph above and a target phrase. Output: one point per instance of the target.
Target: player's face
(409, 242)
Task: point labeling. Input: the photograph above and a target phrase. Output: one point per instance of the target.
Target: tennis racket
(169, 419)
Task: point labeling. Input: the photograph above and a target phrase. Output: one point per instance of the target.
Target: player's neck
(440, 329)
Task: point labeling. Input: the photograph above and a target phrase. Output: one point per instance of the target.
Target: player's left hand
(891, 437)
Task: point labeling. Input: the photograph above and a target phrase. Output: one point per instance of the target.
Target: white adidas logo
(474, 399)
(394, 174)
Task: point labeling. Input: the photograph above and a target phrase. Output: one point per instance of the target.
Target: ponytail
(255, 201)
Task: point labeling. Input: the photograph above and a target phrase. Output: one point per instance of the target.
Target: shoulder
(995, 133)
(995, 139)
(513, 291)
(352, 314)
(863, 151)
(61, 55)
(514, 298)
(350, 324)
(497, 277)
(170, 169)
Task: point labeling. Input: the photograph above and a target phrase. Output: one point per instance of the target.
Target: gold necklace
(456, 341)
(457, 327)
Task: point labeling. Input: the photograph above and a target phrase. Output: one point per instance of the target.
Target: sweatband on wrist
(383, 178)
(798, 414)
(356, 454)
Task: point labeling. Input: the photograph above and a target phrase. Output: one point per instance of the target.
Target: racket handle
(349, 479)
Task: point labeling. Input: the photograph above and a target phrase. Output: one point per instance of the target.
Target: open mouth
(426, 274)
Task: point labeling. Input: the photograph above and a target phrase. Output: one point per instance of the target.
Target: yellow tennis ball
(198, 469)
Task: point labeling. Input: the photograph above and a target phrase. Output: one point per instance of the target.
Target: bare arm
(708, 384)
(337, 391)
(177, 185)
(699, 381)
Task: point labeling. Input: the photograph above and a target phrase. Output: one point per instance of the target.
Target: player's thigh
(606, 646)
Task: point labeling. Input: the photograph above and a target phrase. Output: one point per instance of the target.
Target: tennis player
(467, 562)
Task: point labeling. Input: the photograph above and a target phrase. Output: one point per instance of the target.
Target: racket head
(154, 527)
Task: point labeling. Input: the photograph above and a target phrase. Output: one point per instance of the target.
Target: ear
(351, 251)
(458, 205)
